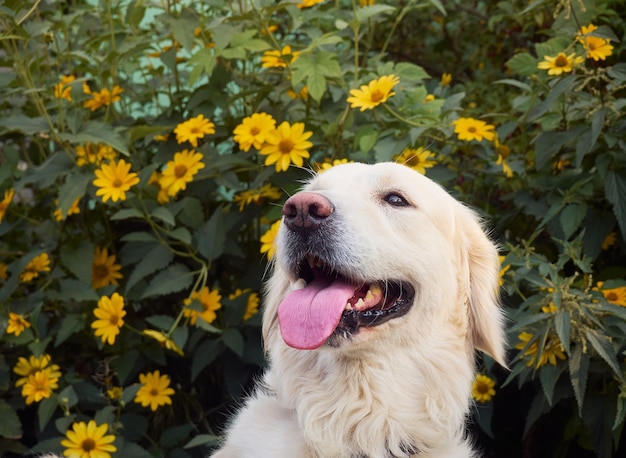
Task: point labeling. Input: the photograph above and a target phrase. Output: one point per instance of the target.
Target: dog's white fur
(405, 384)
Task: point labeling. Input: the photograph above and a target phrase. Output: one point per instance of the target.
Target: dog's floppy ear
(486, 318)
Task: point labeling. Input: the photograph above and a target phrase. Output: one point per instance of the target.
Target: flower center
(101, 271)
(88, 444)
(482, 388)
(154, 392)
(117, 183)
(114, 319)
(377, 96)
(285, 146)
(471, 129)
(561, 61)
(611, 297)
(180, 171)
(254, 130)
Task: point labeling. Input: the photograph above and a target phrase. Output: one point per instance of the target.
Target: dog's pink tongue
(309, 315)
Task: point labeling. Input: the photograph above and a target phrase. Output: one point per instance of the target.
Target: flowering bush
(145, 151)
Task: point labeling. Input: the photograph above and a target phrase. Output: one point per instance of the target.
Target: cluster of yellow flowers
(595, 47)
(38, 379)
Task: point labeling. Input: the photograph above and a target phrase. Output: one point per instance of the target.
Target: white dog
(382, 289)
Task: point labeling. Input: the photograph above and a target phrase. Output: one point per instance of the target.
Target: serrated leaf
(71, 324)
(562, 325)
(552, 100)
(202, 439)
(126, 213)
(204, 355)
(10, 425)
(571, 218)
(234, 340)
(522, 64)
(24, 124)
(156, 259)
(164, 215)
(547, 144)
(578, 370)
(211, 238)
(97, 132)
(48, 172)
(46, 410)
(407, 71)
(548, 375)
(72, 289)
(182, 234)
(175, 278)
(603, 346)
(74, 187)
(163, 322)
(314, 68)
(615, 188)
(79, 259)
(589, 138)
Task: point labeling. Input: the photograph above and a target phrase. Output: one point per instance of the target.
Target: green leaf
(46, 410)
(24, 124)
(233, 340)
(68, 396)
(407, 71)
(77, 290)
(164, 215)
(126, 213)
(156, 259)
(175, 278)
(562, 325)
(48, 172)
(366, 137)
(163, 322)
(97, 132)
(314, 68)
(78, 260)
(551, 102)
(204, 355)
(10, 425)
(615, 188)
(211, 238)
(203, 61)
(74, 187)
(71, 324)
(522, 64)
(578, 371)
(603, 346)
(547, 144)
(372, 10)
(548, 376)
(571, 218)
(202, 439)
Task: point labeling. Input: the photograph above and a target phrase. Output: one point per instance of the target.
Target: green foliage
(549, 176)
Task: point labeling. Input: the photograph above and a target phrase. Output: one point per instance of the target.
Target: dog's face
(369, 252)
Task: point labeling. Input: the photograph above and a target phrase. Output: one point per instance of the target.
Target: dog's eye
(395, 199)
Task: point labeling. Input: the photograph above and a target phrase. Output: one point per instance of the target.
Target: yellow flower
(17, 324)
(308, 3)
(27, 367)
(503, 270)
(180, 171)
(39, 385)
(115, 393)
(210, 302)
(473, 129)
(419, 159)
(194, 129)
(114, 179)
(267, 240)
(483, 388)
(615, 296)
(36, 265)
(155, 179)
(597, 48)
(552, 350)
(559, 63)
(280, 58)
(163, 340)
(3, 271)
(287, 145)
(73, 210)
(446, 79)
(550, 308)
(608, 242)
(374, 93)
(252, 306)
(303, 94)
(63, 89)
(104, 271)
(102, 98)
(88, 440)
(4, 204)
(91, 153)
(253, 130)
(257, 196)
(110, 313)
(429, 98)
(329, 164)
(155, 390)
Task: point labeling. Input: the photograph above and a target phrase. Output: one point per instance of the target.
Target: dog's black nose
(306, 211)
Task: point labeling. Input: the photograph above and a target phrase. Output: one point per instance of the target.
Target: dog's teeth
(299, 284)
(375, 289)
(359, 304)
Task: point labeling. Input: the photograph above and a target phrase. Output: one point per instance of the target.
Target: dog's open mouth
(325, 302)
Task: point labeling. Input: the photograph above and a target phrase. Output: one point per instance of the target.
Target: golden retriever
(383, 287)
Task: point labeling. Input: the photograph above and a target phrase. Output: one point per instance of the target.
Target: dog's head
(365, 252)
